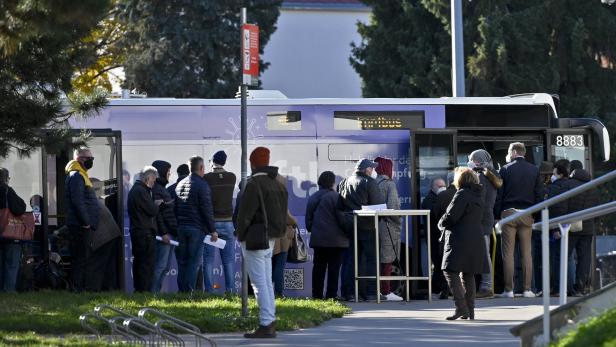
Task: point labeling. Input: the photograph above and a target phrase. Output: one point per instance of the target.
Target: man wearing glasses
(82, 211)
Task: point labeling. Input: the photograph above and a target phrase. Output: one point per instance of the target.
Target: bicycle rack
(165, 319)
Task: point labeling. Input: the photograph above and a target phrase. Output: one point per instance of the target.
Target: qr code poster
(294, 279)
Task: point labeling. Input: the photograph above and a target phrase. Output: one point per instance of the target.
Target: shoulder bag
(298, 252)
(257, 236)
(16, 227)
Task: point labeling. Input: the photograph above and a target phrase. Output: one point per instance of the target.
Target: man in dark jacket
(10, 250)
(167, 225)
(82, 211)
(481, 162)
(522, 188)
(263, 192)
(195, 215)
(581, 241)
(183, 171)
(142, 211)
(443, 199)
(439, 284)
(325, 223)
(222, 183)
(356, 191)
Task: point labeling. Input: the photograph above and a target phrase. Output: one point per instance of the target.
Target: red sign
(250, 54)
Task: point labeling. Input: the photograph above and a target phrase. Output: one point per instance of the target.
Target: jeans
(164, 254)
(486, 279)
(259, 268)
(279, 261)
(144, 257)
(10, 259)
(227, 256)
(326, 259)
(189, 256)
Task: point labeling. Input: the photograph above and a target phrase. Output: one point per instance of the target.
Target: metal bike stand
(378, 277)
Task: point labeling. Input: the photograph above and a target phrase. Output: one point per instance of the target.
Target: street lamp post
(457, 49)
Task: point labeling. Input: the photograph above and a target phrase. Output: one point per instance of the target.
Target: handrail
(589, 213)
(561, 197)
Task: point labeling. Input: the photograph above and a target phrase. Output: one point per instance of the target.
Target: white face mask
(374, 174)
(440, 190)
(554, 178)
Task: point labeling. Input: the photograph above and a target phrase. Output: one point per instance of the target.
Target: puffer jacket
(588, 199)
(193, 206)
(356, 191)
(81, 202)
(165, 219)
(275, 197)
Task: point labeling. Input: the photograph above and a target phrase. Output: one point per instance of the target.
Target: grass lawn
(599, 331)
(26, 316)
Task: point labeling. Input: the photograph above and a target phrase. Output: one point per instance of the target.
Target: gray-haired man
(142, 210)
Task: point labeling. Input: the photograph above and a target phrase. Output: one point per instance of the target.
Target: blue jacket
(193, 205)
(82, 205)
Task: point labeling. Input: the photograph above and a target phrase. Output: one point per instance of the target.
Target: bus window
(570, 147)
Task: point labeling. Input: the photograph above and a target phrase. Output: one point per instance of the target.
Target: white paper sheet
(171, 242)
(380, 207)
(220, 243)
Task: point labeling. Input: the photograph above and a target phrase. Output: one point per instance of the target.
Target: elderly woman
(389, 227)
(464, 254)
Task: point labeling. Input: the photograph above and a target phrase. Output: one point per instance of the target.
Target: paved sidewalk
(415, 324)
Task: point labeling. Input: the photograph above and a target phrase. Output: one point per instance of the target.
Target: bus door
(571, 144)
(106, 176)
(432, 154)
(497, 144)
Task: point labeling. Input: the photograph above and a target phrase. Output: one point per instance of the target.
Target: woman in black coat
(464, 242)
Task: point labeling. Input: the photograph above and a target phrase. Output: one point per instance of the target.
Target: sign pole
(244, 144)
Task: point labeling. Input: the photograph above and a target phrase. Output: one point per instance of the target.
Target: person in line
(166, 224)
(183, 171)
(82, 212)
(389, 227)
(522, 187)
(545, 171)
(560, 184)
(10, 250)
(195, 216)
(263, 192)
(358, 190)
(481, 162)
(222, 183)
(143, 211)
(443, 199)
(325, 223)
(581, 241)
(437, 186)
(464, 242)
(281, 250)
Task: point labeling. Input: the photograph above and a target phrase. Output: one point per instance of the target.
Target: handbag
(14, 227)
(298, 252)
(257, 236)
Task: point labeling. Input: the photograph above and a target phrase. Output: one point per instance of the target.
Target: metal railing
(545, 229)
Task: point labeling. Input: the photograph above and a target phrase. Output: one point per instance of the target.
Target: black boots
(460, 313)
(263, 332)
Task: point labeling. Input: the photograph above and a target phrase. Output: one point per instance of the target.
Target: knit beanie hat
(220, 158)
(385, 167)
(260, 157)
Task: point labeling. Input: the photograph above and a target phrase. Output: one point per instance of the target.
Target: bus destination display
(378, 120)
(568, 140)
(284, 120)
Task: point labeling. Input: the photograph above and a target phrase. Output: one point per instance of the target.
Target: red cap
(259, 157)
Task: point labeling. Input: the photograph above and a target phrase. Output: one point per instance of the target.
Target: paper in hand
(220, 243)
(171, 242)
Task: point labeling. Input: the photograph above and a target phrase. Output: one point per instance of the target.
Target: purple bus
(425, 138)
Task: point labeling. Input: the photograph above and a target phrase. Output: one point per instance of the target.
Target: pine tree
(190, 48)
(40, 49)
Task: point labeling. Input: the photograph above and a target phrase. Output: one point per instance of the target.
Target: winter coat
(389, 227)
(464, 242)
(171, 188)
(522, 186)
(589, 198)
(222, 184)
(282, 244)
(556, 188)
(107, 230)
(16, 205)
(490, 183)
(275, 197)
(438, 210)
(81, 202)
(193, 206)
(166, 222)
(142, 210)
(324, 221)
(356, 191)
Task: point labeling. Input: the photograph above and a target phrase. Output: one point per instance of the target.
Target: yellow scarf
(74, 165)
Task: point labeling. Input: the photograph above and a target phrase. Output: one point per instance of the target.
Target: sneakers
(529, 294)
(506, 294)
(392, 297)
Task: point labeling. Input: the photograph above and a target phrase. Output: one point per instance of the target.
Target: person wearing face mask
(142, 211)
(480, 161)
(358, 190)
(166, 223)
(522, 187)
(82, 213)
